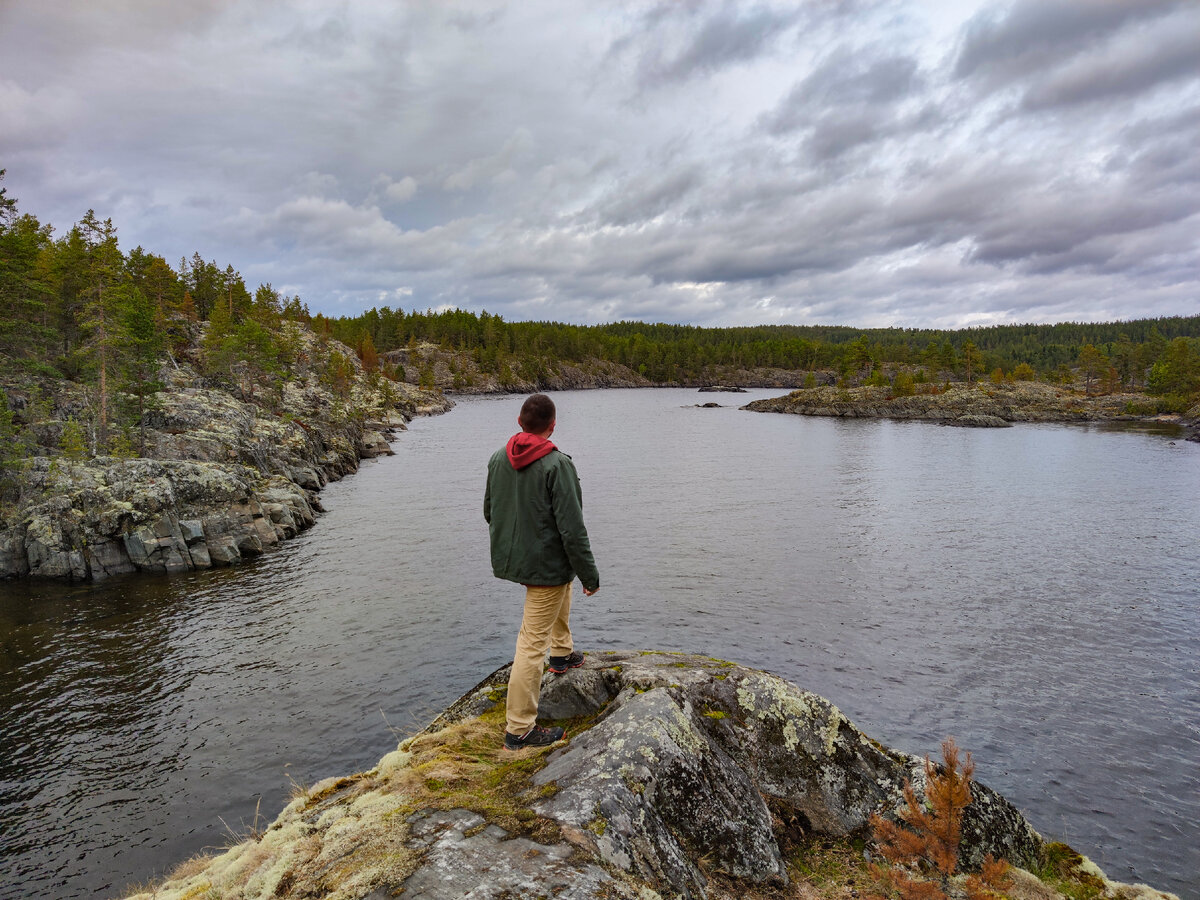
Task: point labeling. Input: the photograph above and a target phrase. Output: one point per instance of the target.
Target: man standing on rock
(533, 505)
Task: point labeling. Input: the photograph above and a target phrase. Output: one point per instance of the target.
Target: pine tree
(141, 344)
(11, 453)
(923, 851)
(104, 270)
(1177, 371)
(972, 359)
(368, 354)
(1092, 363)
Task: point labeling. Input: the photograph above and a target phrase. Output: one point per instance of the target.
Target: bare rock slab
(681, 776)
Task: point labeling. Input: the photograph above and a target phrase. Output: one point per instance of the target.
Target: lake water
(1032, 591)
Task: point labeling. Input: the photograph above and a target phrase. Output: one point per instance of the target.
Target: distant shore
(980, 405)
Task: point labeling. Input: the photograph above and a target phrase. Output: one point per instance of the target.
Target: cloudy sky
(861, 162)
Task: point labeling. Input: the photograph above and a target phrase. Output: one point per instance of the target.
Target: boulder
(13, 561)
(977, 421)
(373, 444)
(681, 776)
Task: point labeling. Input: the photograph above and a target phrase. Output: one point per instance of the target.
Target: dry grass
(465, 766)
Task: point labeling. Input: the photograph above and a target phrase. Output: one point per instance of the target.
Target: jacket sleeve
(487, 498)
(566, 498)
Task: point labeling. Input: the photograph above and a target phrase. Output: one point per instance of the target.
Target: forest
(78, 312)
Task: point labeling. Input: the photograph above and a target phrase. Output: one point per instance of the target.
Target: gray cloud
(676, 41)
(853, 98)
(1030, 34)
(857, 163)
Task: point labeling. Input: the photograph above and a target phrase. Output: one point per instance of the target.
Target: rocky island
(979, 405)
(682, 776)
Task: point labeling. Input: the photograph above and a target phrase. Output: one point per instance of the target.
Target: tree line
(76, 308)
(87, 331)
(1160, 355)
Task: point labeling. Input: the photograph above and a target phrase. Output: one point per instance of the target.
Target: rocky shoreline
(979, 405)
(222, 479)
(682, 776)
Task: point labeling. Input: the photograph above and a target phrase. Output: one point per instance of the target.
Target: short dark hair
(537, 412)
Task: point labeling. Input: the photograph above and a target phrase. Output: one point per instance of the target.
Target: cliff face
(682, 776)
(221, 479)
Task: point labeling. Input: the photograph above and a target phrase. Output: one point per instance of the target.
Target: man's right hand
(589, 593)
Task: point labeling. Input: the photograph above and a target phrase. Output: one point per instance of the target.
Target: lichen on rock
(220, 479)
(652, 796)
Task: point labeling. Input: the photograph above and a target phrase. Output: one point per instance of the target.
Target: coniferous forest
(77, 309)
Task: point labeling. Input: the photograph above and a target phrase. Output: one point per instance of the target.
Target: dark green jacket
(535, 521)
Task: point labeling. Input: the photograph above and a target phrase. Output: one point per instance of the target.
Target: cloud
(1165, 51)
(34, 117)
(867, 162)
(495, 167)
(1008, 42)
(399, 191)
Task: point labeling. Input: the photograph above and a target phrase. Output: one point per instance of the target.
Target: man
(533, 505)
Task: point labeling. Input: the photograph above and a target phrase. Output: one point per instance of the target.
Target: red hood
(524, 448)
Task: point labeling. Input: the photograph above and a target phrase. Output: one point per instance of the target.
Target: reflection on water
(1030, 590)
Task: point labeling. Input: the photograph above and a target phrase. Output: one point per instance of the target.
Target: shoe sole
(509, 749)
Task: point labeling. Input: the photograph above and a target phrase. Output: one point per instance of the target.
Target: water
(1031, 591)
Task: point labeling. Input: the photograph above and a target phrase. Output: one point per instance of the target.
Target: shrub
(903, 385)
(923, 851)
(72, 441)
(877, 379)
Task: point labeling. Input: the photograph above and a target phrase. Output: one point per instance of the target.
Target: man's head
(537, 414)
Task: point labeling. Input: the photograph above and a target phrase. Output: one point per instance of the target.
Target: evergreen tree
(972, 359)
(1092, 363)
(1177, 371)
(11, 452)
(26, 291)
(104, 271)
(141, 343)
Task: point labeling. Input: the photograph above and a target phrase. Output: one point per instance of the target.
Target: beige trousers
(544, 626)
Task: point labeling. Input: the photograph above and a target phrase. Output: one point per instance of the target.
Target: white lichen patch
(352, 846)
(833, 728)
(684, 734)
(766, 698)
(392, 763)
(790, 738)
(330, 816)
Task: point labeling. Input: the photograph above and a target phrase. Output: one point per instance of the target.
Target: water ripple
(1031, 591)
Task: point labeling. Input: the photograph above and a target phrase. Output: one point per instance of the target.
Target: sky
(843, 162)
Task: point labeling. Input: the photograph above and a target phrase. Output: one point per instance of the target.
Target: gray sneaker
(537, 736)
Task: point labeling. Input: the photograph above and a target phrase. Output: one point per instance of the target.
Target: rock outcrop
(114, 516)
(220, 478)
(457, 371)
(979, 405)
(682, 777)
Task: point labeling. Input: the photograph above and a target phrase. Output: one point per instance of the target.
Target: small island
(979, 405)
